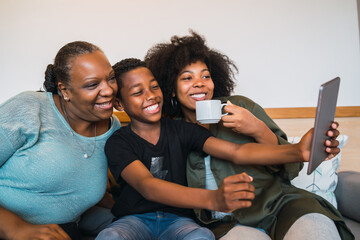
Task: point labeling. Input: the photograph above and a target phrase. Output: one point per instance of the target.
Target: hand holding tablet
(325, 114)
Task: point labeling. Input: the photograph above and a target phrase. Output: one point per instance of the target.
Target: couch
(348, 199)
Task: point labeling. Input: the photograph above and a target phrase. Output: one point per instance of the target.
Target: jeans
(155, 225)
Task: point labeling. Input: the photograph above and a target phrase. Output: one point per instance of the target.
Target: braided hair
(60, 70)
(167, 60)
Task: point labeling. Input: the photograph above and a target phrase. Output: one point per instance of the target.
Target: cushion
(324, 179)
(348, 195)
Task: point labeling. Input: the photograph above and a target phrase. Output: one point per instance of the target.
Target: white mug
(209, 111)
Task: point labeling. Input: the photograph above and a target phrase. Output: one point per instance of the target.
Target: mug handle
(223, 105)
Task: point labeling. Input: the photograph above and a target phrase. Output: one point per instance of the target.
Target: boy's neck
(148, 131)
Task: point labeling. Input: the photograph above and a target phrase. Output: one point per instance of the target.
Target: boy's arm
(234, 193)
(261, 154)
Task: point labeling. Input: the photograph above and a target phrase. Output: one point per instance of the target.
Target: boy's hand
(332, 144)
(305, 145)
(235, 192)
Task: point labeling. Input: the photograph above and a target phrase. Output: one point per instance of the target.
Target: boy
(148, 159)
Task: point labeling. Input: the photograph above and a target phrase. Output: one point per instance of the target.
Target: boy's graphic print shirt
(166, 160)
(156, 167)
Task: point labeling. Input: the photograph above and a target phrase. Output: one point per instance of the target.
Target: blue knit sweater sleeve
(19, 124)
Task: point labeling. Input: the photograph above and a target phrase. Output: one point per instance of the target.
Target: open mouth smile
(198, 96)
(105, 105)
(152, 108)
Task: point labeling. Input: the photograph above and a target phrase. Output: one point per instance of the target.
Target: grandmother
(52, 161)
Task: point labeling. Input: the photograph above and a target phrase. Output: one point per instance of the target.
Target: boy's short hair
(125, 66)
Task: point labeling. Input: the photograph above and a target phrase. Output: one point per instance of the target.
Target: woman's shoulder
(115, 122)
(29, 97)
(28, 103)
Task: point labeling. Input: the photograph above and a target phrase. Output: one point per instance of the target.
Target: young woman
(52, 161)
(188, 71)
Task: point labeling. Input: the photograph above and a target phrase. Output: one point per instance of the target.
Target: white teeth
(152, 107)
(103, 104)
(200, 95)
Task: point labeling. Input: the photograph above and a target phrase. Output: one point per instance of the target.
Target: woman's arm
(235, 192)
(261, 154)
(15, 228)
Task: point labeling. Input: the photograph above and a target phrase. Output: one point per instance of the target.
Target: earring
(174, 102)
(66, 98)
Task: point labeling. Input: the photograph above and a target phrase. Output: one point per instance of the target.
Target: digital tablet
(325, 114)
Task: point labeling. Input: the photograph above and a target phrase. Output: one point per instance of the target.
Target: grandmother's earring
(66, 98)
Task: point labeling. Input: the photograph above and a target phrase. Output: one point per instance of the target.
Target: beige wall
(284, 49)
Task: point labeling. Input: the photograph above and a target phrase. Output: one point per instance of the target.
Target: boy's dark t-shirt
(165, 160)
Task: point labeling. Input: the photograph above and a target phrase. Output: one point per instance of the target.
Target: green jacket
(277, 204)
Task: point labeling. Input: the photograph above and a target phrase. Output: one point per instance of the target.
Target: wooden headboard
(279, 113)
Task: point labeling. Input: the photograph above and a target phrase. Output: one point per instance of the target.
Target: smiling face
(141, 96)
(92, 88)
(193, 84)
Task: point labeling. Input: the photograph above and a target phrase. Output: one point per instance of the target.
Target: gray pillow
(348, 194)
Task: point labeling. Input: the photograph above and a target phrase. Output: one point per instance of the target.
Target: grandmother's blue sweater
(44, 177)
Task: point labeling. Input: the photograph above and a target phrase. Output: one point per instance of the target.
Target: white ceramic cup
(209, 111)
